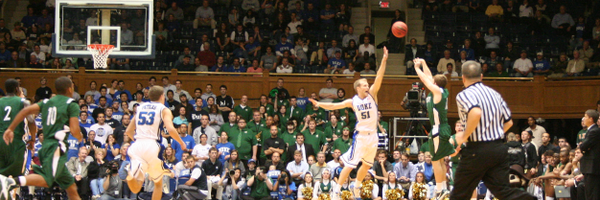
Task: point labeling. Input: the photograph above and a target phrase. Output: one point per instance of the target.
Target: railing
(550, 98)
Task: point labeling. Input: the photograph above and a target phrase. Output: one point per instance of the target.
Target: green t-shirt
(283, 120)
(256, 128)
(298, 113)
(288, 138)
(330, 130)
(342, 145)
(284, 102)
(268, 108)
(259, 188)
(227, 127)
(385, 126)
(318, 115)
(581, 136)
(9, 108)
(244, 113)
(316, 140)
(243, 140)
(56, 113)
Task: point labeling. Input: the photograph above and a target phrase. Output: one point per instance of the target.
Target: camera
(282, 177)
(232, 172)
(414, 101)
(113, 166)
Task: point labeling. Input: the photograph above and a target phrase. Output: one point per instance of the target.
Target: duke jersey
(366, 113)
(149, 120)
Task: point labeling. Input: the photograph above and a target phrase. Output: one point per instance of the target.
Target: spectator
(236, 67)
(206, 57)
(172, 24)
(575, 66)
(213, 169)
(351, 52)
(205, 128)
(17, 33)
(285, 66)
(494, 11)
(43, 92)
(233, 182)
(350, 36)
(300, 52)
(186, 52)
(252, 49)
(596, 32)
(96, 171)
(368, 34)
(311, 16)
(78, 167)
(547, 145)
(30, 19)
(283, 46)
(112, 183)
(204, 16)
(523, 66)
(120, 64)
(220, 66)
(319, 167)
(499, 72)
(336, 64)
(530, 150)
(216, 119)
(450, 70)
(186, 65)
(15, 61)
(255, 68)
(541, 66)
(101, 129)
(260, 185)
(446, 6)
(467, 49)
(234, 17)
(366, 46)
(269, 60)
(197, 182)
(559, 67)
(525, 11)
(175, 11)
(44, 19)
(413, 52)
(327, 17)
(492, 41)
(443, 63)
(41, 56)
(563, 21)
(126, 34)
(201, 149)
(586, 52)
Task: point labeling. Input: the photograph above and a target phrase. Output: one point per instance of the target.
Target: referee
(486, 118)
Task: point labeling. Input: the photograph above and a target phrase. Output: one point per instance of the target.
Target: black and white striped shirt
(494, 111)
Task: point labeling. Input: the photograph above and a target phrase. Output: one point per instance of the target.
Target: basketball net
(100, 54)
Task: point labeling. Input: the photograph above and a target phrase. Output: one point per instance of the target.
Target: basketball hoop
(100, 54)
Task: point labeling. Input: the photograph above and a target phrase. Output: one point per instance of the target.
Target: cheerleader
(390, 184)
(419, 179)
(325, 185)
(307, 183)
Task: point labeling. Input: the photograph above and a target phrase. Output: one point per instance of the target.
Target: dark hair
(63, 83)
(223, 86)
(11, 85)
(152, 77)
(198, 89)
(593, 114)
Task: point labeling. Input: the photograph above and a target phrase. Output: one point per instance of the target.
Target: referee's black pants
(592, 186)
(485, 161)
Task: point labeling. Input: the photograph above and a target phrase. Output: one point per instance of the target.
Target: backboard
(126, 24)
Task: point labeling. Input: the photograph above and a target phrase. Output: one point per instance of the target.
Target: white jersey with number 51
(366, 113)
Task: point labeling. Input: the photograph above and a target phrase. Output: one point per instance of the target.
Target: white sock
(438, 187)
(444, 185)
(22, 180)
(549, 198)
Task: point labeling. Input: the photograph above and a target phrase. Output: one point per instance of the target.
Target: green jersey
(56, 113)
(288, 138)
(243, 112)
(330, 130)
(256, 128)
(296, 113)
(385, 126)
(438, 112)
(581, 136)
(9, 108)
(268, 108)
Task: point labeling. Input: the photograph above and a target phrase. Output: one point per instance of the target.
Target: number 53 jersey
(148, 120)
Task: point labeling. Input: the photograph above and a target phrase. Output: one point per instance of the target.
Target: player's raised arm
(380, 72)
(427, 79)
(168, 122)
(29, 110)
(332, 106)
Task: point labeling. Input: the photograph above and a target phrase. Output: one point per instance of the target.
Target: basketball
(399, 29)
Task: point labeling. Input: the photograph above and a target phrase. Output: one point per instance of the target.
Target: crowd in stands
(202, 35)
(519, 38)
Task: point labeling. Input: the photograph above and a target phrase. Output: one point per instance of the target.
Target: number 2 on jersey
(146, 118)
(7, 109)
(365, 115)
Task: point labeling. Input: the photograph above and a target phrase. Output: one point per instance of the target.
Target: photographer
(260, 185)
(112, 183)
(283, 187)
(233, 182)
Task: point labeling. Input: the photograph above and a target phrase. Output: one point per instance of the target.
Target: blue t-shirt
(579, 28)
(470, 53)
(327, 12)
(225, 149)
(222, 68)
(193, 102)
(118, 95)
(541, 65)
(86, 125)
(189, 142)
(301, 102)
(74, 145)
(428, 172)
(109, 153)
(337, 63)
(5, 56)
(117, 116)
(232, 69)
(250, 47)
(283, 47)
